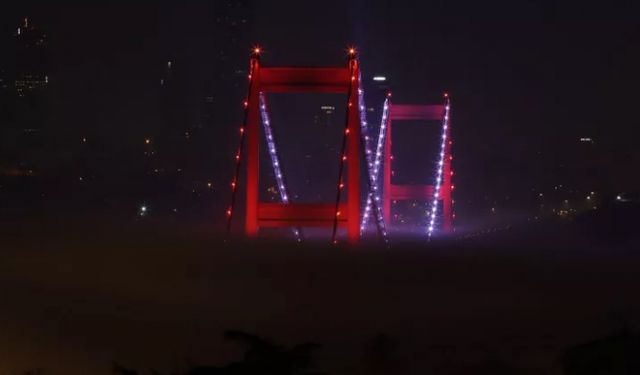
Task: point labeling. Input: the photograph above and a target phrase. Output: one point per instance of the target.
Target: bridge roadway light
(379, 78)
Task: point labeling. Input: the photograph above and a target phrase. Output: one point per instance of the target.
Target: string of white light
(373, 197)
(273, 154)
(375, 166)
(440, 166)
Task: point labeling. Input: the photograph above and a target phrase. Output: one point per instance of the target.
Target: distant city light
(586, 139)
(147, 141)
(379, 78)
(143, 210)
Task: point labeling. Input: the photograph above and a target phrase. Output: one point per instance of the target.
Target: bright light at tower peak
(257, 50)
(352, 50)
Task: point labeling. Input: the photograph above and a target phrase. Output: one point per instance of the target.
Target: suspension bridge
(358, 145)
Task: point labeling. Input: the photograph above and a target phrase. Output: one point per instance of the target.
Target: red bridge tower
(391, 192)
(268, 79)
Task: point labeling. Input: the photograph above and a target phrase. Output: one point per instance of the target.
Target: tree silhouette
(118, 369)
(261, 357)
(616, 354)
(382, 356)
(265, 357)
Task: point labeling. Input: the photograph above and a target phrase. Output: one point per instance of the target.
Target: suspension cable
(343, 156)
(275, 161)
(255, 58)
(440, 166)
(373, 198)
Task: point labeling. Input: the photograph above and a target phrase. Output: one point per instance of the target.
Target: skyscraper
(25, 98)
(232, 43)
(31, 59)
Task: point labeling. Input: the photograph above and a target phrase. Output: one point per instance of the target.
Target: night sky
(115, 180)
(527, 80)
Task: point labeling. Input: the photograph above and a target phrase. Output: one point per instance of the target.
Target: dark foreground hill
(80, 294)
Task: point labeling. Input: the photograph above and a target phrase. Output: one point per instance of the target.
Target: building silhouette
(31, 68)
